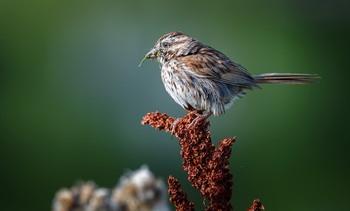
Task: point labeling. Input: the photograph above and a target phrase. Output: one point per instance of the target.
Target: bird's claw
(173, 126)
(195, 122)
(199, 118)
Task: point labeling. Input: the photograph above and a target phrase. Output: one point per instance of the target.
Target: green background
(72, 97)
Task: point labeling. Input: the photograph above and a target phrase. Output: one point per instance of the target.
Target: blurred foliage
(72, 97)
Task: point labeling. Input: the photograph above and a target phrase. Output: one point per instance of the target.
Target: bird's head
(170, 45)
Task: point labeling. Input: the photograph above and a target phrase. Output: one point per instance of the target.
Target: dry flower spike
(207, 167)
(179, 197)
(257, 206)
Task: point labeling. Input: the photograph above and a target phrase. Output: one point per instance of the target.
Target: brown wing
(211, 64)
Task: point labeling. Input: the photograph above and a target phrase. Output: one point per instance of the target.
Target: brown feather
(213, 65)
(285, 78)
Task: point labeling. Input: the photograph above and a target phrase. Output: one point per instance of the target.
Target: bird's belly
(182, 90)
(200, 94)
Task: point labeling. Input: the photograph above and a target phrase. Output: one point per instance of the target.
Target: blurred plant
(207, 167)
(140, 191)
(136, 191)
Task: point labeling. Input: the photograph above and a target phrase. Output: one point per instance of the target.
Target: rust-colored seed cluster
(179, 197)
(207, 167)
(257, 206)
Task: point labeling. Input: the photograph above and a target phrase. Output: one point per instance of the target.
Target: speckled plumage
(199, 77)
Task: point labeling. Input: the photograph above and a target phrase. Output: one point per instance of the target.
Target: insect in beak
(152, 54)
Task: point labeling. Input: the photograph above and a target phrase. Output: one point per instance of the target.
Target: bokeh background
(72, 97)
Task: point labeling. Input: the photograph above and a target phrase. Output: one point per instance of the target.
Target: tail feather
(285, 78)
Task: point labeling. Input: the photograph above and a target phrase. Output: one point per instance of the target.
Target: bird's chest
(180, 86)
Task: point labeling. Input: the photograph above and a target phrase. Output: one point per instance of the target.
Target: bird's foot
(199, 118)
(173, 126)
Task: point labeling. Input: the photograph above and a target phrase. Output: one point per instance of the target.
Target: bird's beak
(152, 54)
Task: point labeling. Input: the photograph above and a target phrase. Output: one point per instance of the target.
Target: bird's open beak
(152, 54)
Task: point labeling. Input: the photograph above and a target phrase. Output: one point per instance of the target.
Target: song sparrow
(201, 78)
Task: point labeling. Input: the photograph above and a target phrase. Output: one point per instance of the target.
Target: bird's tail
(285, 78)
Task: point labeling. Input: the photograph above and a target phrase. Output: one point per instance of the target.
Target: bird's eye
(165, 44)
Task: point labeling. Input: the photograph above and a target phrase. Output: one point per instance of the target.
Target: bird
(202, 79)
